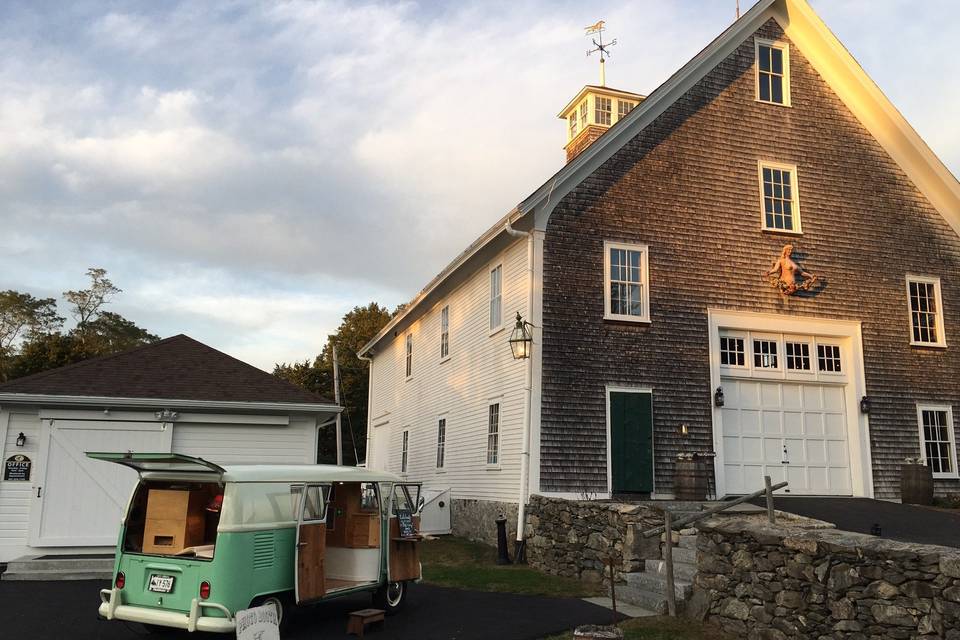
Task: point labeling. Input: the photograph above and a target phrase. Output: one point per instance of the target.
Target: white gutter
(104, 401)
(366, 451)
(527, 399)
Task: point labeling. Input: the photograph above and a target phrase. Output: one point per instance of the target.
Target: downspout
(366, 451)
(520, 548)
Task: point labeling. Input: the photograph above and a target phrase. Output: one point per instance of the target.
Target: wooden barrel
(916, 484)
(690, 480)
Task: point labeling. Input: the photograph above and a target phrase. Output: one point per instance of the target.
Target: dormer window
(773, 72)
(583, 114)
(624, 107)
(602, 110)
(573, 126)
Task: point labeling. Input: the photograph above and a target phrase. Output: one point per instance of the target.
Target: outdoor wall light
(684, 430)
(718, 397)
(521, 340)
(865, 405)
(21, 439)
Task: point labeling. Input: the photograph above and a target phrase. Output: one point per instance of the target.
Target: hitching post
(503, 556)
(668, 559)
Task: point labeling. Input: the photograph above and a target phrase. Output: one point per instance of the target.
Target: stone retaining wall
(477, 520)
(770, 582)
(573, 537)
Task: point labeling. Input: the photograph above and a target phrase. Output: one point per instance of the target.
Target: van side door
(404, 533)
(311, 543)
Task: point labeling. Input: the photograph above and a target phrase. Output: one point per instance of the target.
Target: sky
(249, 171)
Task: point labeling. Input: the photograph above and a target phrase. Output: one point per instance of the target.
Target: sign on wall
(17, 468)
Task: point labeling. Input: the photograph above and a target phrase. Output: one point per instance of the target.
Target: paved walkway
(57, 610)
(904, 522)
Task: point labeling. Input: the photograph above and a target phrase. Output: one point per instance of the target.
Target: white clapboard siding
(248, 443)
(480, 371)
(15, 497)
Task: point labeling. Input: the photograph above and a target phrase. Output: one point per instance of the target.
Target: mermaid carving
(785, 273)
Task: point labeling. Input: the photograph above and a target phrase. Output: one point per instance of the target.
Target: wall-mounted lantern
(21, 439)
(684, 430)
(865, 405)
(521, 340)
(718, 397)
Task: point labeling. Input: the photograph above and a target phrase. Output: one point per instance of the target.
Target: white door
(790, 431)
(78, 501)
(381, 447)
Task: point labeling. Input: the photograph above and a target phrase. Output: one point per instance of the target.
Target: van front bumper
(111, 608)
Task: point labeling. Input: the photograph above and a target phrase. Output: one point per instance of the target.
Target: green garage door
(631, 442)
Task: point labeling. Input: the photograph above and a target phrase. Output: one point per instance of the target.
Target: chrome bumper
(111, 608)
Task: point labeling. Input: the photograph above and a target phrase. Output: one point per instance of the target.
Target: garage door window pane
(798, 356)
(731, 352)
(765, 354)
(828, 358)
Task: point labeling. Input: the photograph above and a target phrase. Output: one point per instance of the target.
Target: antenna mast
(601, 47)
(738, 9)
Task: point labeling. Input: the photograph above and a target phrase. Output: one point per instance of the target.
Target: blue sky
(249, 171)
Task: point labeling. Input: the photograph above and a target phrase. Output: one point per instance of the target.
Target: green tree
(357, 328)
(22, 316)
(112, 333)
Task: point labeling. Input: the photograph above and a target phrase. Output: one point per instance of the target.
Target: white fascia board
(167, 403)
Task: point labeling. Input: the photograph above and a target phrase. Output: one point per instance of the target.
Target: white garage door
(790, 431)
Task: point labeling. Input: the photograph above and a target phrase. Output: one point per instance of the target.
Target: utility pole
(336, 399)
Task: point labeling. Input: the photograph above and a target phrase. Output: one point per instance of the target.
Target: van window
(316, 504)
(259, 503)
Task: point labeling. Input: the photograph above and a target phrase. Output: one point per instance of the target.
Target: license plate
(161, 584)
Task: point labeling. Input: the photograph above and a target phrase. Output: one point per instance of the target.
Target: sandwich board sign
(258, 623)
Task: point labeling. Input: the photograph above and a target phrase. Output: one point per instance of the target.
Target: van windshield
(174, 518)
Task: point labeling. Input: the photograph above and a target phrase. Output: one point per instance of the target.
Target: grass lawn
(662, 628)
(459, 563)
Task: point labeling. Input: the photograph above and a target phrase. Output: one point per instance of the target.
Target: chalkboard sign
(405, 523)
(17, 468)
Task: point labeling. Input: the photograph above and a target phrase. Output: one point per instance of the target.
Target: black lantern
(718, 397)
(521, 340)
(21, 439)
(864, 404)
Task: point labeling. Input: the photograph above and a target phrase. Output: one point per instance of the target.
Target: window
(602, 109)
(765, 354)
(773, 72)
(409, 347)
(493, 434)
(445, 332)
(828, 358)
(583, 114)
(937, 441)
(781, 201)
(405, 451)
(797, 355)
(626, 288)
(623, 108)
(496, 297)
(573, 125)
(441, 441)
(315, 502)
(926, 311)
(731, 352)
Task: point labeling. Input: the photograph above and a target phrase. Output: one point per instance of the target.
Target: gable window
(926, 311)
(780, 195)
(602, 109)
(445, 332)
(773, 72)
(496, 297)
(583, 114)
(409, 351)
(441, 441)
(797, 355)
(573, 125)
(765, 354)
(493, 434)
(937, 440)
(405, 451)
(828, 358)
(626, 282)
(623, 108)
(731, 351)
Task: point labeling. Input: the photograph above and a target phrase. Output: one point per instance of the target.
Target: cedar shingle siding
(687, 186)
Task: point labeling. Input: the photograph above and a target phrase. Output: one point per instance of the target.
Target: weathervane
(601, 47)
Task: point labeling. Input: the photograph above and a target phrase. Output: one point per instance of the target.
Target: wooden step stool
(360, 619)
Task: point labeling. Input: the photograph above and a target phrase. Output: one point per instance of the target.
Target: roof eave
(171, 403)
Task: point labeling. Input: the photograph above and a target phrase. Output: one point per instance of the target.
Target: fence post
(668, 559)
(770, 516)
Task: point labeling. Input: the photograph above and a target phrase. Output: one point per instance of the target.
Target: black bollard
(503, 556)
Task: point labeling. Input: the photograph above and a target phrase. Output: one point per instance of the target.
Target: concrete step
(648, 600)
(681, 570)
(73, 568)
(656, 583)
(56, 574)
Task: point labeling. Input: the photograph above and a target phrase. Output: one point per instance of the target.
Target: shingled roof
(177, 368)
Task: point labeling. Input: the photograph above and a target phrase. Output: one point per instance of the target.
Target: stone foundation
(476, 520)
(773, 582)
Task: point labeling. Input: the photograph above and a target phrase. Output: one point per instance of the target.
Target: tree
(22, 316)
(357, 328)
(112, 333)
(87, 302)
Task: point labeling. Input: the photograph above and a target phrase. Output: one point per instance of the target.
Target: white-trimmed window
(773, 72)
(937, 439)
(409, 355)
(602, 110)
(626, 282)
(828, 358)
(496, 297)
(493, 434)
(583, 114)
(797, 355)
(926, 311)
(445, 332)
(405, 451)
(765, 354)
(573, 125)
(441, 442)
(732, 351)
(779, 197)
(624, 107)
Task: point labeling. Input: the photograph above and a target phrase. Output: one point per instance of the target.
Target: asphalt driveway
(904, 522)
(56, 610)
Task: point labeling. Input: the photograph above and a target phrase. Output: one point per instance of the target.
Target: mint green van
(199, 541)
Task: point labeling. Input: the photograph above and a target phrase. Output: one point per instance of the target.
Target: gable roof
(177, 368)
(825, 53)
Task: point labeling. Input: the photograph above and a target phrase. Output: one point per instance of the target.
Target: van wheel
(390, 597)
(283, 605)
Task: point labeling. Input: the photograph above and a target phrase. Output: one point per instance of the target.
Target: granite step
(656, 583)
(681, 570)
(644, 599)
(687, 542)
(684, 555)
(52, 568)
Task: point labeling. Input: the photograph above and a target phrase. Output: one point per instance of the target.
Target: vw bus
(199, 542)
